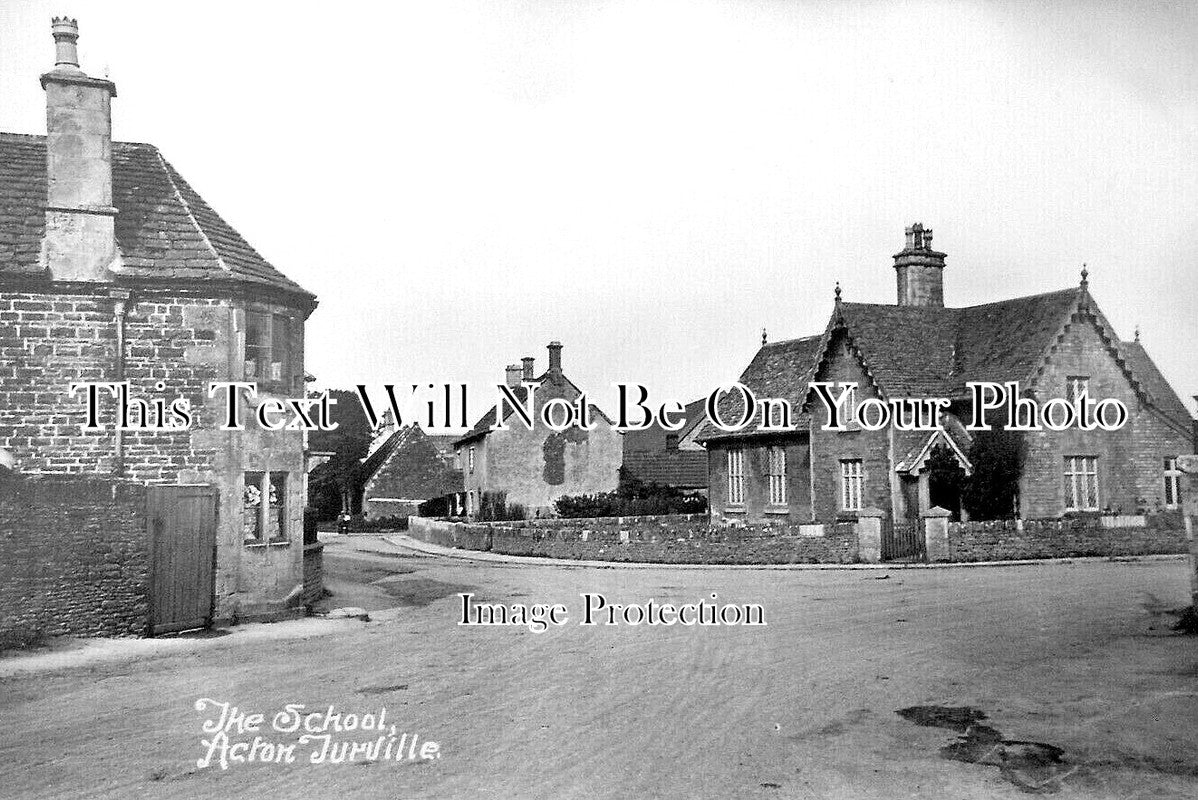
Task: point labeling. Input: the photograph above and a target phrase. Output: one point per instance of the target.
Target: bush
(633, 498)
(495, 508)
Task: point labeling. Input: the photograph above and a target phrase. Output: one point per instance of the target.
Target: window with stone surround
(776, 475)
(264, 507)
(470, 458)
(1172, 483)
(736, 476)
(1081, 483)
(1076, 386)
(268, 349)
(852, 484)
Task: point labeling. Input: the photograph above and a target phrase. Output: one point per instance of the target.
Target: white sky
(652, 183)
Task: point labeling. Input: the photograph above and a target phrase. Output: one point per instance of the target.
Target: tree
(993, 489)
(349, 444)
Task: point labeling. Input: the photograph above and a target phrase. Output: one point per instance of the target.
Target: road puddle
(1034, 767)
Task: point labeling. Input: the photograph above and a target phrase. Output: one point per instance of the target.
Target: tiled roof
(780, 370)
(1160, 393)
(685, 469)
(933, 352)
(555, 384)
(408, 466)
(164, 229)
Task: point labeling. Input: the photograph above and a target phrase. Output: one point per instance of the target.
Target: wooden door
(182, 521)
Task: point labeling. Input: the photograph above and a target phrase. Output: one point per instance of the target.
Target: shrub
(633, 498)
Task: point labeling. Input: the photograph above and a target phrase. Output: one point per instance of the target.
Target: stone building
(113, 269)
(407, 468)
(535, 466)
(1055, 345)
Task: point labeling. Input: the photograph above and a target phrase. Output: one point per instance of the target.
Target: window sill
(734, 509)
(275, 543)
(779, 510)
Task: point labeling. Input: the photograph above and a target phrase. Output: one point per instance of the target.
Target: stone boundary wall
(74, 558)
(675, 539)
(1003, 540)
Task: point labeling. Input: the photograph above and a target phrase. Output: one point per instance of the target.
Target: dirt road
(1074, 656)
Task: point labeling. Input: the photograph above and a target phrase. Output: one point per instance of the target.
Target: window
(1076, 386)
(470, 458)
(776, 473)
(1081, 483)
(1172, 483)
(851, 484)
(267, 348)
(264, 506)
(736, 476)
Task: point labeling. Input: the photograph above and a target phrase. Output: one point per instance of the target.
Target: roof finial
(838, 291)
(1085, 276)
(1137, 334)
(763, 337)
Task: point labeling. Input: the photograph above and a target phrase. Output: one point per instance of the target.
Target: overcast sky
(654, 183)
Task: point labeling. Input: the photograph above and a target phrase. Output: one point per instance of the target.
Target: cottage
(532, 467)
(1057, 344)
(405, 468)
(112, 268)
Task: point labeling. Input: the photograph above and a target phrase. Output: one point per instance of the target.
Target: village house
(405, 468)
(532, 467)
(113, 268)
(1057, 344)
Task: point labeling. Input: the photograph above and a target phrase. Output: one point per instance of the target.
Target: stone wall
(1003, 540)
(676, 539)
(74, 558)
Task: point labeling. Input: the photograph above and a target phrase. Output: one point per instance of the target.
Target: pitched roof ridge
(1067, 290)
(166, 169)
(793, 340)
(14, 134)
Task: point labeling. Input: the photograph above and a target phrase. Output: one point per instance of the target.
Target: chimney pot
(513, 375)
(66, 35)
(528, 362)
(555, 356)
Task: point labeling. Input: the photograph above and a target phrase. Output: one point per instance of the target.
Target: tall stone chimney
(555, 357)
(920, 270)
(80, 239)
(527, 362)
(514, 373)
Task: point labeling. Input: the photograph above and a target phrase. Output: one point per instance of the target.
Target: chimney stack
(514, 374)
(80, 237)
(527, 361)
(920, 270)
(555, 357)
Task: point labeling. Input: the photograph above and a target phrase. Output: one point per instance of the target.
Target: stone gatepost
(1189, 504)
(869, 535)
(935, 534)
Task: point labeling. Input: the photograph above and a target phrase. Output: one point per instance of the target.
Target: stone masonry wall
(677, 539)
(1004, 540)
(74, 558)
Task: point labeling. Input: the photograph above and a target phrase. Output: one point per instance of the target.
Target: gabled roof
(1154, 384)
(548, 379)
(165, 231)
(408, 466)
(781, 370)
(933, 352)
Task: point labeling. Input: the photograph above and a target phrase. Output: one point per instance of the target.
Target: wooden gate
(182, 521)
(902, 540)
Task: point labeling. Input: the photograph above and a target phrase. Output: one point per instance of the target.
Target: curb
(408, 543)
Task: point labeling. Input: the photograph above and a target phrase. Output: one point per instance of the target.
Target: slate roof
(684, 469)
(165, 231)
(1160, 393)
(933, 352)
